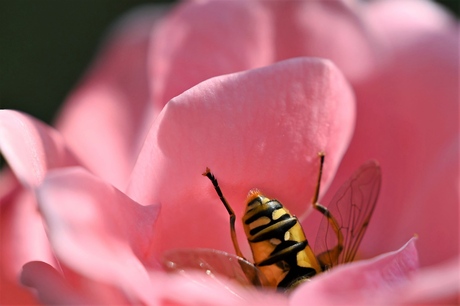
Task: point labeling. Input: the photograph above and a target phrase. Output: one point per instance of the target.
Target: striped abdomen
(277, 241)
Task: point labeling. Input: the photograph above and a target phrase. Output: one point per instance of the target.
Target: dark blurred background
(46, 45)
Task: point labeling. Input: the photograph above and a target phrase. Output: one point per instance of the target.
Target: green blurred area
(46, 45)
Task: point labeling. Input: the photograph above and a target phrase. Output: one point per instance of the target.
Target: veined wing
(352, 207)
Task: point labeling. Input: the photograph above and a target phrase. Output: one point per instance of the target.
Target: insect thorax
(277, 241)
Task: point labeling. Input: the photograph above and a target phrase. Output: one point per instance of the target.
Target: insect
(283, 257)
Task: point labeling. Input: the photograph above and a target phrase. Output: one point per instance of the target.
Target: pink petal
(50, 286)
(106, 118)
(402, 59)
(165, 289)
(22, 236)
(329, 29)
(204, 289)
(9, 183)
(409, 122)
(435, 285)
(31, 148)
(185, 55)
(53, 288)
(14, 253)
(14, 294)
(96, 231)
(399, 24)
(186, 50)
(260, 128)
(367, 282)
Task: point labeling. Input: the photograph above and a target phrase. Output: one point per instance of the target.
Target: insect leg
(331, 255)
(230, 211)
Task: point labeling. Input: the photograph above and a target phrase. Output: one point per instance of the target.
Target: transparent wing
(213, 262)
(352, 206)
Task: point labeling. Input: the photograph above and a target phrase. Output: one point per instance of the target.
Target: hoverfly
(283, 258)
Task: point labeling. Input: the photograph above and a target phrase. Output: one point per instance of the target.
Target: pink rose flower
(253, 90)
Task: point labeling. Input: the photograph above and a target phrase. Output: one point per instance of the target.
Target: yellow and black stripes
(277, 241)
(276, 228)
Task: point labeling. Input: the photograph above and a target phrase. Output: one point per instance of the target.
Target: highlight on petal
(400, 23)
(97, 232)
(366, 282)
(260, 128)
(31, 148)
(105, 120)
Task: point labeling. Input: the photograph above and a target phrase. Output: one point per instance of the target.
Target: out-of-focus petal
(50, 286)
(261, 128)
(14, 294)
(96, 231)
(9, 183)
(106, 119)
(31, 148)
(257, 33)
(300, 31)
(434, 213)
(437, 285)
(401, 23)
(187, 50)
(203, 289)
(408, 120)
(22, 236)
(367, 282)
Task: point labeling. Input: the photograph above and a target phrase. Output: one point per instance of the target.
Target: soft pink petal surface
(22, 234)
(106, 119)
(257, 129)
(164, 289)
(31, 148)
(70, 287)
(183, 56)
(437, 285)
(50, 285)
(202, 289)
(326, 29)
(22, 239)
(401, 58)
(96, 231)
(408, 120)
(368, 282)
(252, 34)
